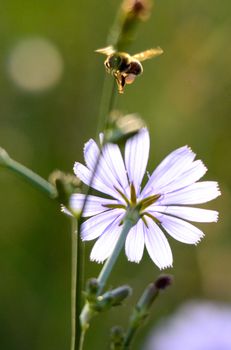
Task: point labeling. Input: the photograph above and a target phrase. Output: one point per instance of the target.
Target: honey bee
(124, 67)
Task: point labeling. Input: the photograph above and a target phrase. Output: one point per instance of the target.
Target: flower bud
(146, 300)
(65, 184)
(163, 281)
(130, 14)
(92, 289)
(139, 9)
(122, 127)
(152, 291)
(117, 338)
(112, 298)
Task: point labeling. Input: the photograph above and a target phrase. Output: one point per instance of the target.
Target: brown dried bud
(163, 281)
(140, 9)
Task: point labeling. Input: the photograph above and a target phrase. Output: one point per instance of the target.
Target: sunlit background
(50, 88)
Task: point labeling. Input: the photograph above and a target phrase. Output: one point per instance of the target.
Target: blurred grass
(185, 97)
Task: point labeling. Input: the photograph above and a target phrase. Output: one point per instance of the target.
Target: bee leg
(120, 80)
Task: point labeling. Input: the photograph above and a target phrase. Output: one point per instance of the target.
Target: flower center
(132, 201)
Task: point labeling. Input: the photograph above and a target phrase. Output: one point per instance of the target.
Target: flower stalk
(142, 308)
(27, 174)
(87, 313)
(76, 285)
(130, 220)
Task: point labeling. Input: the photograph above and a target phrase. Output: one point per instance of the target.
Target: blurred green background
(45, 118)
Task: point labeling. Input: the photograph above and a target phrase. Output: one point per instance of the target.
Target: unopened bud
(163, 281)
(152, 291)
(130, 14)
(140, 9)
(146, 300)
(66, 184)
(112, 298)
(117, 338)
(92, 289)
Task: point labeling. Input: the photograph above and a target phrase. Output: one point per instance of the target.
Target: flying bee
(124, 67)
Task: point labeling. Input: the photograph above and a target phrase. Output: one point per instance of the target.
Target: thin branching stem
(76, 285)
(108, 266)
(31, 177)
(129, 222)
(81, 335)
(74, 244)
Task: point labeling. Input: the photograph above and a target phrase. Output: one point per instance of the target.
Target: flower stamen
(146, 202)
(133, 195)
(122, 195)
(114, 206)
(150, 216)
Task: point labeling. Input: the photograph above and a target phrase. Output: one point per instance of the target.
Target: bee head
(117, 62)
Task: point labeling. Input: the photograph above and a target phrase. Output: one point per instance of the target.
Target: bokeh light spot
(35, 64)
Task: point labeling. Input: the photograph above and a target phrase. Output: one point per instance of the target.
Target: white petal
(113, 157)
(169, 169)
(134, 245)
(180, 230)
(197, 193)
(85, 176)
(186, 213)
(91, 154)
(94, 204)
(195, 171)
(105, 245)
(136, 157)
(107, 171)
(157, 245)
(98, 224)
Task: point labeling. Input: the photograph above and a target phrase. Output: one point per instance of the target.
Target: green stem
(107, 103)
(73, 280)
(76, 286)
(129, 336)
(79, 289)
(108, 266)
(80, 333)
(143, 306)
(28, 175)
(130, 220)
(104, 120)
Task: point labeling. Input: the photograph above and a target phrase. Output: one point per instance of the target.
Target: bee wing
(145, 55)
(106, 50)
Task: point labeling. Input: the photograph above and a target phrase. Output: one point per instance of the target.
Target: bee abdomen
(135, 68)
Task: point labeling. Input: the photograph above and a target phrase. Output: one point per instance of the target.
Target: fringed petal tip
(87, 145)
(97, 260)
(167, 266)
(75, 168)
(186, 149)
(136, 261)
(218, 189)
(199, 239)
(201, 164)
(216, 216)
